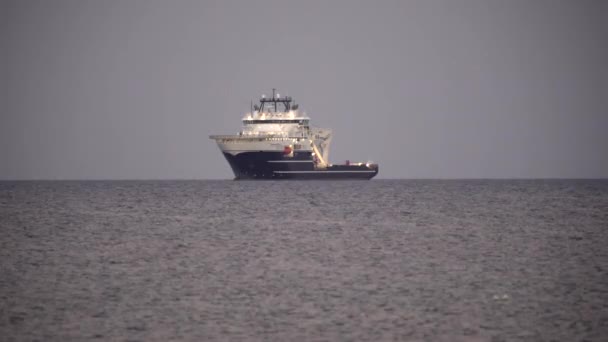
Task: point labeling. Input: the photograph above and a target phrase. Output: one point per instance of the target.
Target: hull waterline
(274, 166)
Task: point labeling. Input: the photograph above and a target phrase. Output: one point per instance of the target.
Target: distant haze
(427, 89)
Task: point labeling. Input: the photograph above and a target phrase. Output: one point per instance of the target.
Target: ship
(277, 141)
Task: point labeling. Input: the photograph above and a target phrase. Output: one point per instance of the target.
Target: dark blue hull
(275, 165)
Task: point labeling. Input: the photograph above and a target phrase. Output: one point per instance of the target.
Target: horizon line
(282, 180)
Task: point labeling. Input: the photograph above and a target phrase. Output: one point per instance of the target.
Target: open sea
(380, 260)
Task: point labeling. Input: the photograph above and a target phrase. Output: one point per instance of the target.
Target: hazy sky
(449, 89)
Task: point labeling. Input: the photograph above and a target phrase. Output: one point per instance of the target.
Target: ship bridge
(275, 116)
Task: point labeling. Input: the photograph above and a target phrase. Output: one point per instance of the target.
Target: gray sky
(432, 89)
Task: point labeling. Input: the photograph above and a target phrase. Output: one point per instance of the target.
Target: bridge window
(271, 121)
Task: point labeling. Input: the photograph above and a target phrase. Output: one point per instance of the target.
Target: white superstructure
(277, 125)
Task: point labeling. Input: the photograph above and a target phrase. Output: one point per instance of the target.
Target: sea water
(422, 260)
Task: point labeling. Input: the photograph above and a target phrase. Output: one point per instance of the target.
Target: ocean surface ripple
(421, 260)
